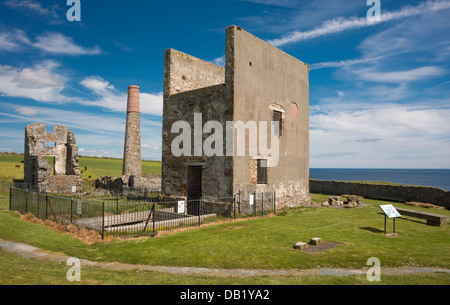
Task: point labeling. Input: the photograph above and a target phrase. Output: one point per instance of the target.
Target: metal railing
(134, 214)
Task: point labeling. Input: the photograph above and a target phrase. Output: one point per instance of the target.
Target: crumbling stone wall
(400, 193)
(37, 170)
(217, 178)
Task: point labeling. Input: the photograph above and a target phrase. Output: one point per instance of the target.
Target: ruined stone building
(64, 176)
(259, 83)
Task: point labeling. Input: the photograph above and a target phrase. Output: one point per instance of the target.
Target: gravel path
(31, 252)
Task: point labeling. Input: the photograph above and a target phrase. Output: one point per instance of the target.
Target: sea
(439, 178)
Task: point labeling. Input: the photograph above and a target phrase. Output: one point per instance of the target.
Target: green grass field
(12, 168)
(260, 243)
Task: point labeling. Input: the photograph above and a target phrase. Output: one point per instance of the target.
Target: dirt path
(31, 252)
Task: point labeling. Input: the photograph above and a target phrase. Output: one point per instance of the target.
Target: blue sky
(379, 91)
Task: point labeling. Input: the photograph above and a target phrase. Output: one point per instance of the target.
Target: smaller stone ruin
(64, 176)
(351, 201)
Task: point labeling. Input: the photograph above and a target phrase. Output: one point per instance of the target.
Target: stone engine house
(259, 83)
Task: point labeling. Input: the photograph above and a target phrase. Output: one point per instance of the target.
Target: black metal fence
(137, 212)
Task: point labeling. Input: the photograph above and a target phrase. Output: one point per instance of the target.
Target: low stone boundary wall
(400, 193)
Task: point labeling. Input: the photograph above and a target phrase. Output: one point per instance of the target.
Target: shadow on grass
(373, 230)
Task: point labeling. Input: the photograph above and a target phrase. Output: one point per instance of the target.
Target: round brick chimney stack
(133, 99)
(132, 150)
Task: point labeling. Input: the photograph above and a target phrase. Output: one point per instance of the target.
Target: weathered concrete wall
(384, 192)
(261, 76)
(37, 170)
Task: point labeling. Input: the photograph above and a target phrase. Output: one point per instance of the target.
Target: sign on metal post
(252, 199)
(389, 212)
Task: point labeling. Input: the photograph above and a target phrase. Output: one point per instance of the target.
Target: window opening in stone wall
(262, 171)
(277, 128)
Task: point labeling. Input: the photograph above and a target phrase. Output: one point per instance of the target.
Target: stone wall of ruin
(38, 171)
(400, 193)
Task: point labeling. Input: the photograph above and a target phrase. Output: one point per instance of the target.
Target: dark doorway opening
(194, 189)
(194, 182)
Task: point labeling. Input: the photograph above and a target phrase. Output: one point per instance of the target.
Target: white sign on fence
(390, 211)
(252, 200)
(74, 189)
(79, 207)
(181, 205)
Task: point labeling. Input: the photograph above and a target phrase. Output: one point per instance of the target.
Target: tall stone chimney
(132, 150)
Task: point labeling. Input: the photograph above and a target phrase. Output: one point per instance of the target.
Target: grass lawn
(15, 270)
(236, 245)
(264, 242)
(260, 243)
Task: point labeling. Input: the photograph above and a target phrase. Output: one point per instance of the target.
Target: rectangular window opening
(49, 144)
(262, 171)
(277, 128)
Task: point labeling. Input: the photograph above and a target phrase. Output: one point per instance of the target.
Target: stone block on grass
(300, 245)
(315, 241)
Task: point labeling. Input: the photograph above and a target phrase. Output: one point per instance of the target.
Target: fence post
(46, 206)
(262, 203)
(26, 202)
(38, 205)
(199, 205)
(154, 204)
(254, 203)
(10, 198)
(103, 220)
(71, 210)
(274, 202)
(234, 207)
(239, 205)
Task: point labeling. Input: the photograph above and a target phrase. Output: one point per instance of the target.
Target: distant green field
(97, 167)
(11, 167)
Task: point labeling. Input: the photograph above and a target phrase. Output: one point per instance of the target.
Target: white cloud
(8, 44)
(41, 82)
(345, 63)
(377, 135)
(369, 74)
(286, 3)
(57, 43)
(100, 123)
(13, 40)
(33, 6)
(341, 24)
(50, 42)
(151, 147)
(27, 111)
(220, 61)
(112, 99)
